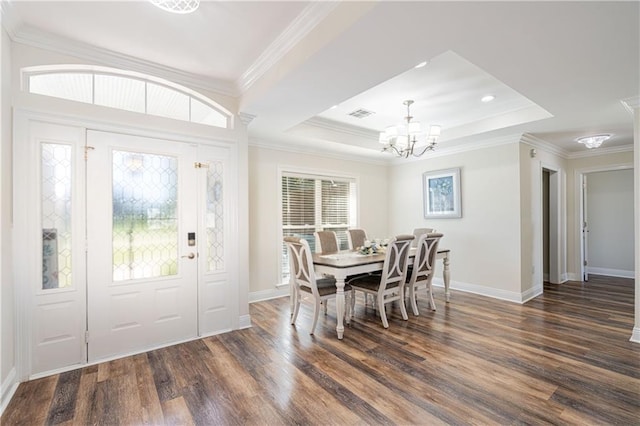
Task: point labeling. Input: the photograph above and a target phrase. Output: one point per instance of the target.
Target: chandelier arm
(430, 147)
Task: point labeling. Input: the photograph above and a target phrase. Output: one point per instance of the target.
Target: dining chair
(390, 284)
(303, 280)
(326, 242)
(422, 271)
(356, 238)
(419, 231)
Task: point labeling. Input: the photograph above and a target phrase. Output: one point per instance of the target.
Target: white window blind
(311, 203)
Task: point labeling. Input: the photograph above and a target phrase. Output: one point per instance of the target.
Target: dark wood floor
(562, 358)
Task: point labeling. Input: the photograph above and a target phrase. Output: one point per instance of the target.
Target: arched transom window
(125, 90)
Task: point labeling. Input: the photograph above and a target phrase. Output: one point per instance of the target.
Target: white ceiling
(559, 70)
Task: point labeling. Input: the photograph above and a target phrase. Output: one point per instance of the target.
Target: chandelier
(404, 138)
(177, 6)
(593, 141)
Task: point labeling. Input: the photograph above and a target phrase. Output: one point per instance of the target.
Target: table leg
(446, 275)
(340, 306)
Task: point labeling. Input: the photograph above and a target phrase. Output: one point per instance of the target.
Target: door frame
(580, 214)
(224, 138)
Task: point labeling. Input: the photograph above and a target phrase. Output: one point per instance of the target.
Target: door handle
(190, 255)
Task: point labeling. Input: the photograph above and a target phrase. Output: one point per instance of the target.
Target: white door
(585, 231)
(141, 217)
(49, 200)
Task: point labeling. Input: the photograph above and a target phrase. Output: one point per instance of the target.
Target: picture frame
(441, 194)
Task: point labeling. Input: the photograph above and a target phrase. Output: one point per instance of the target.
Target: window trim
(294, 171)
(27, 72)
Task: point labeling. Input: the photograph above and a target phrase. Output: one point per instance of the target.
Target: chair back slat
(395, 264)
(424, 260)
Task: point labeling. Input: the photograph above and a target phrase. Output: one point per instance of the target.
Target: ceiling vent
(361, 113)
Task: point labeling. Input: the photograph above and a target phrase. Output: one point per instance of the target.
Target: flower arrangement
(373, 247)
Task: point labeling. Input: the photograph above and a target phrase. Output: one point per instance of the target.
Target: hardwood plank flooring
(562, 358)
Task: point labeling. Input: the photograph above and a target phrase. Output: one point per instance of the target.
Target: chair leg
(403, 308)
(295, 306)
(324, 302)
(383, 314)
(431, 301)
(412, 296)
(316, 312)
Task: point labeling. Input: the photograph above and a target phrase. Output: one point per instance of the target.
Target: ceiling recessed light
(422, 64)
(334, 107)
(487, 98)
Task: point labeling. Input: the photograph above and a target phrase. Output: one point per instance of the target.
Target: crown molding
(40, 39)
(631, 103)
(306, 21)
(600, 151)
(536, 142)
(306, 150)
(246, 118)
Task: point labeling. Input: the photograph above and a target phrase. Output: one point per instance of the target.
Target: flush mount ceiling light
(177, 6)
(593, 141)
(487, 98)
(402, 139)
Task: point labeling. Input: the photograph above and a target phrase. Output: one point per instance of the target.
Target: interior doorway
(607, 223)
(551, 225)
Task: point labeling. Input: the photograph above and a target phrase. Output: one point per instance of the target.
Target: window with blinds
(315, 203)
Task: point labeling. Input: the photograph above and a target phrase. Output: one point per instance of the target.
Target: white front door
(142, 257)
(127, 240)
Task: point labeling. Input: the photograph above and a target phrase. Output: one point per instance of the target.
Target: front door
(142, 260)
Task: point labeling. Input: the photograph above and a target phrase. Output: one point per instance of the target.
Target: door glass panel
(56, 215)
(215, 217)
(145, 223)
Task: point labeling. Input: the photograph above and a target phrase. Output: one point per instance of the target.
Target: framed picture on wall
(441, 192)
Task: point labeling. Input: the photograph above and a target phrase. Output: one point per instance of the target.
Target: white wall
(610, 221)
(264, 215)
(485, 242)
(7, 300)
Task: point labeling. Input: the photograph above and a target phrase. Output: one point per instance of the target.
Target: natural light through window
(127, 91)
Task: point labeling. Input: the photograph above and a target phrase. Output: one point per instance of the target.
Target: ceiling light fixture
(593, 141)
(487, 98)
(421, 64)
(177, 6)
(402, 139)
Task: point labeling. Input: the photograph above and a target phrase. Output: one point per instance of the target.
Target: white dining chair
(390, 285)
(304, 281)
(420, 274)
(356, 238)
(326, 242)
(417, 232)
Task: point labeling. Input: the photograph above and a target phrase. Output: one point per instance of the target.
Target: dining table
(349, 262)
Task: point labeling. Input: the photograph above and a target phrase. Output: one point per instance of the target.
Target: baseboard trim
(635, 335)
(259, 296)
(245, 322)
(509, 296)
(620, 273)
(8, 389)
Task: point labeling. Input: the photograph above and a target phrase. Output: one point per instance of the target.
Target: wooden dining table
(347, 262)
